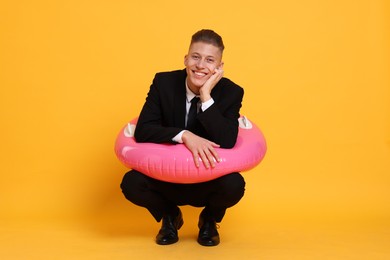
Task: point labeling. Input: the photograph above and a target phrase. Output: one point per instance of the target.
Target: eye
(195, 57)
(210, 60)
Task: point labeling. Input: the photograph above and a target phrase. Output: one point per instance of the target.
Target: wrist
(184, 136)
(204, 97)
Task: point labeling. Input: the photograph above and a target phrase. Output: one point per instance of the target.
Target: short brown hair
(208, 36)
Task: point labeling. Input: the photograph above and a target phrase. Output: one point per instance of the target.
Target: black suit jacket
(163, 114)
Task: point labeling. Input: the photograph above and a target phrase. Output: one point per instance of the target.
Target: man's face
(201, 61)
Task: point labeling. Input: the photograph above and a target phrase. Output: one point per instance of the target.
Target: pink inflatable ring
(174, 162)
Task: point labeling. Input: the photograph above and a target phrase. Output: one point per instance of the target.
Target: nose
(200, 64)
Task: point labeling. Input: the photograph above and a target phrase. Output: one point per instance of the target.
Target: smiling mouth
(199, 74)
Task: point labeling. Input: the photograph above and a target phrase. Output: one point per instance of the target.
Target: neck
(191, 88)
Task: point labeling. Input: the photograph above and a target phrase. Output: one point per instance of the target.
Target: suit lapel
(180, 101)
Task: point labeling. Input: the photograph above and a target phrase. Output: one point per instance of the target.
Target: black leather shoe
(168, 232)
(208, 234)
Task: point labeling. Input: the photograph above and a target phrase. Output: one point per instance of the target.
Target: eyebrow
(208, 56)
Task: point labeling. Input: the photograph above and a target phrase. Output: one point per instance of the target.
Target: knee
(132, 183)
(235, 181)
(234, 184)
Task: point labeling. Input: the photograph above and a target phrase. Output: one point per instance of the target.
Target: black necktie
(192, 113)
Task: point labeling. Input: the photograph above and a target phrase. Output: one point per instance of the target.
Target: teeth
(200, 74)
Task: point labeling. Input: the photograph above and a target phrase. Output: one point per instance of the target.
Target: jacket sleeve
(150, 125)
(221, 119)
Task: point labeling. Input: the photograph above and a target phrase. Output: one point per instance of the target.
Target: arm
(220, 121)
(153, 122)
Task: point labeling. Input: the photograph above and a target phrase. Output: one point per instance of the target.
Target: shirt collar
(189, 94)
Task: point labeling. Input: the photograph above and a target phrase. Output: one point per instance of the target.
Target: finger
(220, 75)
(204, 159)
(217, 74)
(210, 158)
(196, 159)
(214, 144)
(213, 151)
(215, 155)
(209, 152)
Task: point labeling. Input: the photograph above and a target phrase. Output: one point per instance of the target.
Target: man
(166, 117)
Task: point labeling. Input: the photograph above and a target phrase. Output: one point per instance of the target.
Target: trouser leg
(138, 189)
(163, 197)
(227, 191)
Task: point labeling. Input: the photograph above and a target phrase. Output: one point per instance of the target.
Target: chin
(199, 82)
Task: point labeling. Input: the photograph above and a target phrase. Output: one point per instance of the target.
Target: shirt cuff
(177, 138)
(207, 104)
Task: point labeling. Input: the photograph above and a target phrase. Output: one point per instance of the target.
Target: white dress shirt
(204, 105)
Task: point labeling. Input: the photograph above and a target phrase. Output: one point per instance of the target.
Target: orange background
(316, 79)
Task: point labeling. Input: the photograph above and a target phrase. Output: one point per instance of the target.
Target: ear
(185, 60)
(221, 65)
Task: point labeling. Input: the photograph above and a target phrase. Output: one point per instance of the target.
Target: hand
(201, 147)
(205, 90)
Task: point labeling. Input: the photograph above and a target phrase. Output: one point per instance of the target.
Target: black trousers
(164, 197)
